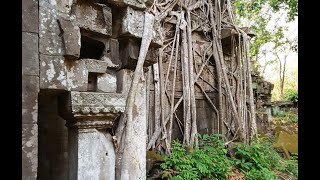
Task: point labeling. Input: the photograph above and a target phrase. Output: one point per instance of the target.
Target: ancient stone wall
(81, 55)
(71, 51)
(30, 88)
(262, 92)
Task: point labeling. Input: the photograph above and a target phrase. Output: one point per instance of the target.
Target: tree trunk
(186, 81)
(193, 136)
(218, 68)
(253, 123)
(157, 104)
(133, 160)
(283, 75)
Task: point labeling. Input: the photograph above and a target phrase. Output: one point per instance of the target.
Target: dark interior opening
(52, 140)
(91, 48)
(92, 82)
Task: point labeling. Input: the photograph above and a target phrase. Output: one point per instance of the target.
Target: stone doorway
(53, 139)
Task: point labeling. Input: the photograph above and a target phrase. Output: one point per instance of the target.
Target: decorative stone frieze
(91, 109)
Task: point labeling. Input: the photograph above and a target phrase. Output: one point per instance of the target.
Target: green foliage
(285, 116)
(291, 6)
(276, 111)
(258, 155)
(291, 166)
(258, 13)
(259, 160)
(209, 160)
(293, 119)
(291, 95)
(263, 173)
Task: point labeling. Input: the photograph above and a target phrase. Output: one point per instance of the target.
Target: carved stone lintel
(91, 109)
(89, 124)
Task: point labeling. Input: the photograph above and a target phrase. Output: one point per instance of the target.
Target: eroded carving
(91, 109)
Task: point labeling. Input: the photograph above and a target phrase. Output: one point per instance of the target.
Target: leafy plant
(293, 119)
(292, 166)
(291, 95)
(209, 160)
(258, 159)
(278, 112)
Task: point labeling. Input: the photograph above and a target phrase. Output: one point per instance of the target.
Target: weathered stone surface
(129, 50)
(94, 99)
(77, 76)
(114, 48)
(93, 155)
(64, 6)
(94, 17)
(30, 21)
(287, 141)
(132, 25)
(124, 79)
(107, 83)
(137, 4)
(30, 115)
(49, 31)
(71, 38)
(30, 54)
(91, 109)
(30, 89)
(96, 66)
(29, 151)
(152, 56)
(53, 72)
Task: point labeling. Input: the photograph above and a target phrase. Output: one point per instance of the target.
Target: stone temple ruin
(78, 59)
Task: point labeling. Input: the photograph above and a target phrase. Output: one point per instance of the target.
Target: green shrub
(278, 112)
(293, 119)
(291, 95)
(292, 166)
(209, 160)
(263, 174)
(257, 160)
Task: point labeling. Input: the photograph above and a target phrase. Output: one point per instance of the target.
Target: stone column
(30, 88)
(91, 151)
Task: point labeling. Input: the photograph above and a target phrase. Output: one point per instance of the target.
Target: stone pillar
(91, 151)
(269, 115)
(30, 88)
(91, 154)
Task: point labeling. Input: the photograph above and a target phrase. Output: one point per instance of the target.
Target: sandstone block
(30, 54)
